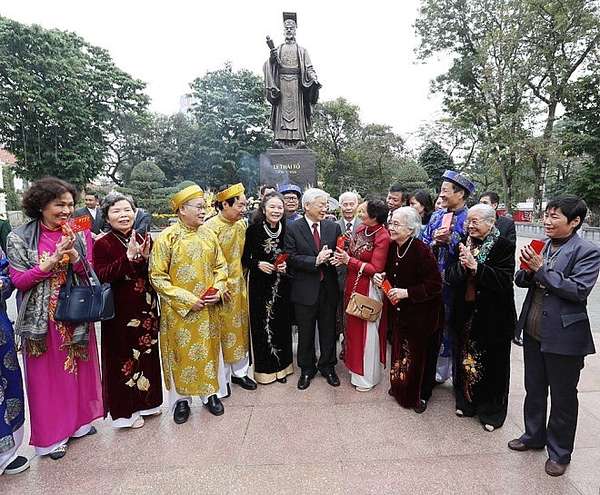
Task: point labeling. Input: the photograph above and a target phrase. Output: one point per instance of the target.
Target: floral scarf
(39, 302)
(480, 252)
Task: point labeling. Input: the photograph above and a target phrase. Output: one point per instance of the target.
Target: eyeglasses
(197, 207)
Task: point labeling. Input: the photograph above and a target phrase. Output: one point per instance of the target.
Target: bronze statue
(291, 86)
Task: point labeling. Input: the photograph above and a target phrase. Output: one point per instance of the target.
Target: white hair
(487, 213)
(413, 219)
(347, 195)
(312, 194)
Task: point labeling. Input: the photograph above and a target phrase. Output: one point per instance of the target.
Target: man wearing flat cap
(230, 226)
(443, 234)
(292, 195)
(184, 263)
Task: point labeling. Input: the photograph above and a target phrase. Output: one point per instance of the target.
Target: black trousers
(323, 313)
(560, 374)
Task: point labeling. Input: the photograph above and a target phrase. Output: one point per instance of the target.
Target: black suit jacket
(300, 246)
(98, 222)
(506, 226)
(142, 221)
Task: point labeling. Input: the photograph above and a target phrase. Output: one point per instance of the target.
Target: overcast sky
(362, 51)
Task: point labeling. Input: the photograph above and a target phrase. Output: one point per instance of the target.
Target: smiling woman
(63, 376)
(270, 325)
(132, 382)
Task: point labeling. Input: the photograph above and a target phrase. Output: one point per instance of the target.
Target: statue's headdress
(291, 16)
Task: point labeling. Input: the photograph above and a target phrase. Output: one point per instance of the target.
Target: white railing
(535, 230)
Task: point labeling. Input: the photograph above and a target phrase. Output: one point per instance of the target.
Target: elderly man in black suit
(504, 224)
(310, 242)
(557, 334)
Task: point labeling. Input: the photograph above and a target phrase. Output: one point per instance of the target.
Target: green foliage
(435, 161)
(232, 127)
(353, 156)
(146, 185)
(59, 100)
(13, 202)
(412, 175)
(513, 60)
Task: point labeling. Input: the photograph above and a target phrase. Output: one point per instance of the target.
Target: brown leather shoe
(519, 446)
(554, 468)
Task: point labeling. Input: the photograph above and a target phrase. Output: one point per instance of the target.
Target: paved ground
(327, 441)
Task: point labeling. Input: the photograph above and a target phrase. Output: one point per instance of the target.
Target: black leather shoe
(304, 381)
(215, 406)
(182, 412)
(554, 468)
(332, 379)
(245, 382)
(519, 446)
(421, 407)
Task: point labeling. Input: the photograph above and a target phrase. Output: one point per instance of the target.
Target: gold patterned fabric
(183, 264)
(234, 314)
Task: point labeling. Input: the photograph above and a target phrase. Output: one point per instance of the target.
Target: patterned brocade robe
(183, 264)
(234, 314)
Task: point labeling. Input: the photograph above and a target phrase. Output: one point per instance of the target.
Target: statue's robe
(291, 89)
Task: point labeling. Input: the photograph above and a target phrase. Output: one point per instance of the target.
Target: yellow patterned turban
(230, 192)
(185, 195)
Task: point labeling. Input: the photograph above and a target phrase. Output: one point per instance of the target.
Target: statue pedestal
(289, 166)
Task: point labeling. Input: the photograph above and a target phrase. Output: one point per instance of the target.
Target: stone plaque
(289, 166)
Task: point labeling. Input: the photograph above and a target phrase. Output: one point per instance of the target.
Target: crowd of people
(211, 304)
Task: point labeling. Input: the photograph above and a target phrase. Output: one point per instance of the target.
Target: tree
(435, 161)
(233, 124)
(563, 34)
(60, 98)
(485, 88)
(353, 156)
(13, 203)
(412, 175)
(146, 186)
(335, 131)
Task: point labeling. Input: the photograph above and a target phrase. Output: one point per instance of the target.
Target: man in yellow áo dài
(185, 262)
(230, 228)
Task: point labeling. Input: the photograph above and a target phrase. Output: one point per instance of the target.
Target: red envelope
(537, 245)
(387, 287)
(447, 220)
(341, 242)
(281, 258)
(211, 291)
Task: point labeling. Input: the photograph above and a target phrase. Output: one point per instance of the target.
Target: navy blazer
(565, 326)
(306, 276)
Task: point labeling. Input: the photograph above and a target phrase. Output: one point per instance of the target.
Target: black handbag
(91, 301)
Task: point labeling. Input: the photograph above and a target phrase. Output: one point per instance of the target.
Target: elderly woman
(62, 375)
(484, 319)
(131, 377)
(414, 310)
(269, 298)
(364, 341)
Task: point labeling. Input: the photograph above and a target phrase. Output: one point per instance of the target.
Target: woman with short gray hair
(414, 310)
(483, 320)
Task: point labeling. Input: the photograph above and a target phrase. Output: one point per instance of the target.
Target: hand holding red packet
(386, 287)
(341, 242)
(211, 291)
(281, 258)
(537, 245)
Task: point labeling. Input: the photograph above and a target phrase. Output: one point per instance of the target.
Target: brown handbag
(363, 307)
